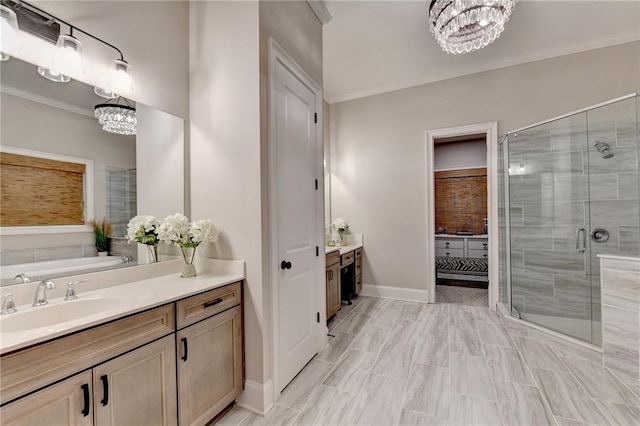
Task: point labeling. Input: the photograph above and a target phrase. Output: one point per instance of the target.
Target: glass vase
(341, 235)
(152, 253)
(188, 255)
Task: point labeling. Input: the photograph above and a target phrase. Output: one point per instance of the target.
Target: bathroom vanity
(162, 350)
(343, 275)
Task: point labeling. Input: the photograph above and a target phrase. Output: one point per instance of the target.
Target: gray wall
(378, 143)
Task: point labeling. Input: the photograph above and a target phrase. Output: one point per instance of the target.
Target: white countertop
(130, 298)
(343, 249)
(461, 236)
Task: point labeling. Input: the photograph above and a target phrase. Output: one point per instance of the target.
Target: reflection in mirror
(55, 121)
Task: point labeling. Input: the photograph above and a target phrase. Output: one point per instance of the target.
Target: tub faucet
(41, 292)
(22, 278)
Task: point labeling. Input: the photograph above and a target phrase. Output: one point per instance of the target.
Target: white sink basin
(54, 314)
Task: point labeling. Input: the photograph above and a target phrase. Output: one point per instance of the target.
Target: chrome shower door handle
(581, 242)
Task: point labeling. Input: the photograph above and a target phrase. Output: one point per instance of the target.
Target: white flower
(174, 229)
(203, 231)
(339, 224)
(143, 229)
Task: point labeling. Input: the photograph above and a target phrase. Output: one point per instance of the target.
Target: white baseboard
(257, 397)
(399, 293)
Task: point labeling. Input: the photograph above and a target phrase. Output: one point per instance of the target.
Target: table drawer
(478, 244)
(449, 252)
(359, 252)
(333, 258)
(451, 243)
(347, 259)
(358, 265)
(359, 283)
(478, 254)
(204, 305)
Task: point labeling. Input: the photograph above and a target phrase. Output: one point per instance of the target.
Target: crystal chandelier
(116, 117)
(462, 26)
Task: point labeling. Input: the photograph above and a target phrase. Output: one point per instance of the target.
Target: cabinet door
(139, 387)
(210, 366)
(65, 403)
(333, 290)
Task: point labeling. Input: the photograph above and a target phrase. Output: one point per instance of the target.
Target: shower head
(604, 149)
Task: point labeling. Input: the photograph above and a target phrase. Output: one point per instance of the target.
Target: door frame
(278, 55)
(490, 129)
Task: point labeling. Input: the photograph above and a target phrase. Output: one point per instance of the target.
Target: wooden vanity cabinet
(135, 370)
(359, 270)
(210, 363)
(333, 283)
(60, 404)
(138, 388)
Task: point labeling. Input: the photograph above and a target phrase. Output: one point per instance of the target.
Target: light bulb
(68, 56)
(105, 93)
(483, 23)
(8, 32)
(121, 77)
(53, 75)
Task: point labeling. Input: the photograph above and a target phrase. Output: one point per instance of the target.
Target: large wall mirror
(66, 170)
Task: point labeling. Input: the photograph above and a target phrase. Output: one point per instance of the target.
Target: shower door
(572, 194)
(549, 211)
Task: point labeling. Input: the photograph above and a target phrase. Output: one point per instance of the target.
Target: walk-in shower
(569, 191)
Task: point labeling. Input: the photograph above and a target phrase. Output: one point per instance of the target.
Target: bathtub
(50, 268)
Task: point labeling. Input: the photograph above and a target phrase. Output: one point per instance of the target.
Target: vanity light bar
(18, 8)
(47, 27)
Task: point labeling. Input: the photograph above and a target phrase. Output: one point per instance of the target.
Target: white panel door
(295, 202)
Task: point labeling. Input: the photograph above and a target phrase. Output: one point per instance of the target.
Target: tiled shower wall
(121, 199)
(555, 171)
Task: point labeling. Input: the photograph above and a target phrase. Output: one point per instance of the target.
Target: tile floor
(403, 363)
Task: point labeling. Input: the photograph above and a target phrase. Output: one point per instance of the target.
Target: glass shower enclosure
(570, 191)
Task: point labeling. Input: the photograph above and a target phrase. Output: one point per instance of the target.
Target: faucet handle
(71, 289)
(8, 306)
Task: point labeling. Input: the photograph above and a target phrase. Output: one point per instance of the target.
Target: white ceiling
(372, 47)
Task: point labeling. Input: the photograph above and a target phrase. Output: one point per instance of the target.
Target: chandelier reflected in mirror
(118, 117)
(462, 26)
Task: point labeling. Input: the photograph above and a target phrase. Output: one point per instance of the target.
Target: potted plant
(101, 232)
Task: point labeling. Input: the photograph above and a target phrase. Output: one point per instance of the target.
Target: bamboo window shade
(461, 200)
(37, 191)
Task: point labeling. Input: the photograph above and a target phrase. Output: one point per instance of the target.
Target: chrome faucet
(41, 292)
(8, 306)
(125, 259)
(22, 278)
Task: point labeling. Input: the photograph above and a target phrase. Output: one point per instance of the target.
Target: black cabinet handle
(185, 349)
(85, 396)
(105, 390)
(213, 302)
(448, 253)
(285, 265)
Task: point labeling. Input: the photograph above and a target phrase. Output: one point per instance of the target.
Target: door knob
(285, 265)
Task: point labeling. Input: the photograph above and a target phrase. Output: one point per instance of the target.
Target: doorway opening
(469, 232)
(461, 219)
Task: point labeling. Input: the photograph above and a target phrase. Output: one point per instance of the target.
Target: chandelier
(462, 26)
(118, 118)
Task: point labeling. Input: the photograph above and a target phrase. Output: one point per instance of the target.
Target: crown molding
(45, 101)
(333, 98)
(321, 11)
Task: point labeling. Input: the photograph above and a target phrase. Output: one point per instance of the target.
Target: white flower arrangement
(340, 225)
(143, 229)
(176, 229)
